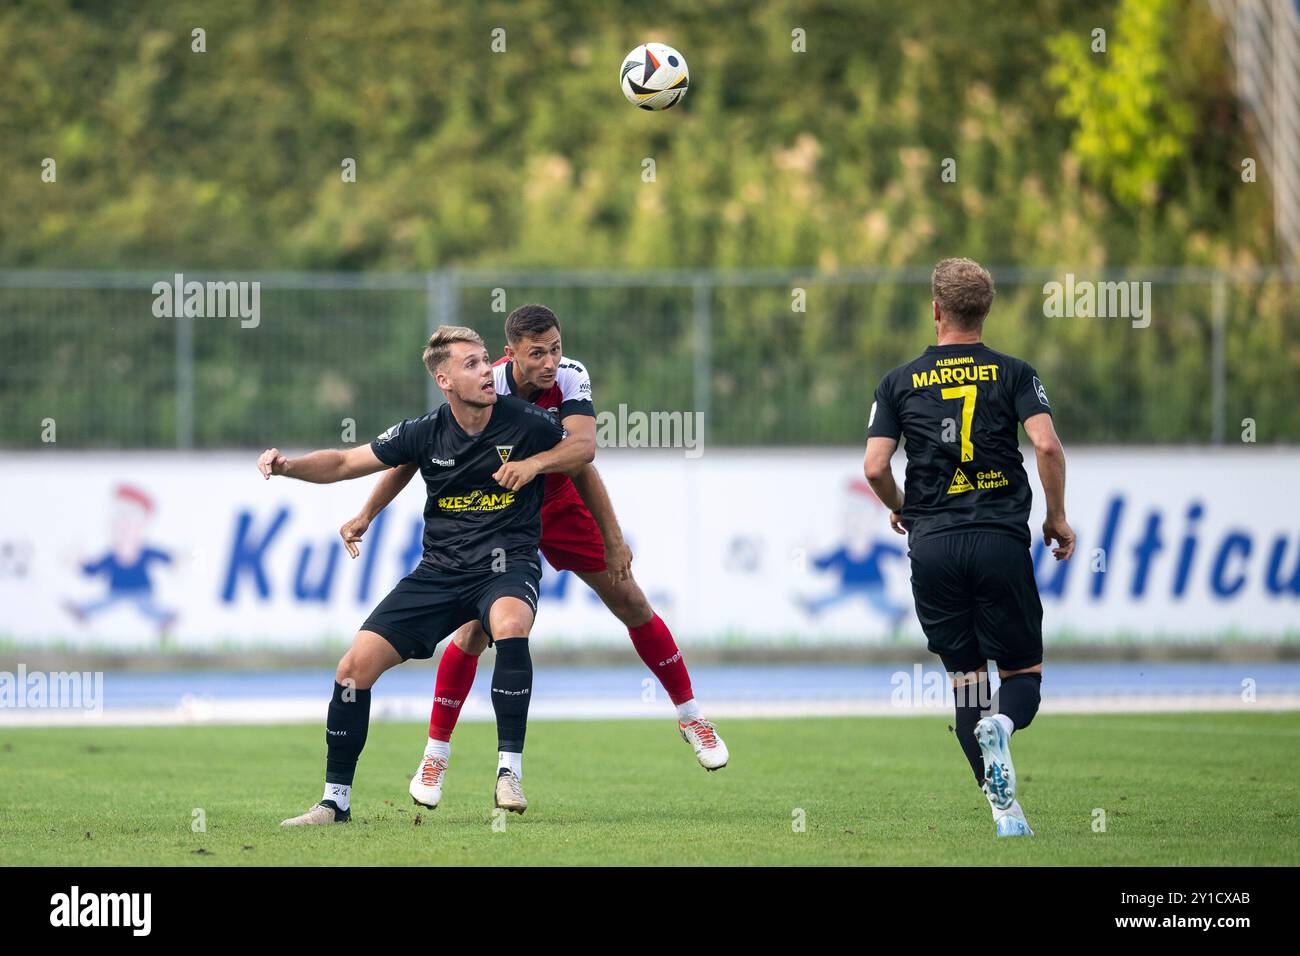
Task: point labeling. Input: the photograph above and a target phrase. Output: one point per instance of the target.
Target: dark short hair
(964, 290)
(529, 321)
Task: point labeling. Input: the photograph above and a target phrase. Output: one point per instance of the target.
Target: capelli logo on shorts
(103, 909)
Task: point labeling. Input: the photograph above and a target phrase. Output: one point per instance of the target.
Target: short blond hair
(440, 342)
(964, 291)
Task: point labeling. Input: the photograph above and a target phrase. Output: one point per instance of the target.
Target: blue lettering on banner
(1188, 551)
(247, 556)
(1236, 541)
(1227, 575)
(1144, 551)
(304, 590)
(1274, 580)
(1109, 530)
(1220, 569)
(374, 536)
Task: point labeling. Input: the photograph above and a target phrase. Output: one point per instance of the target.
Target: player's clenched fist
(351, 533)
(271, 463)
(513, 475)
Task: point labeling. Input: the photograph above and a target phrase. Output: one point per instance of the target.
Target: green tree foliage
(230, 159)
(1131, 125)
(831, 157)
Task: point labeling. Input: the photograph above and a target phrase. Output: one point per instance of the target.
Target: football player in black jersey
(482, 525)
(965, 509)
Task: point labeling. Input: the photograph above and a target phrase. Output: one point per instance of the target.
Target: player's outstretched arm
(576, 449)
(388, 487)
(321, 467)
(618, 556)
(876, 469)
(1051, 472)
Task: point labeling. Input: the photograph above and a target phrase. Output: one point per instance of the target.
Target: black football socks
(1018, 698)
(345, 736)
(969, 699)
(512, 688)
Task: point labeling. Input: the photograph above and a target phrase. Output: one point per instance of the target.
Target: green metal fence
(770, 358)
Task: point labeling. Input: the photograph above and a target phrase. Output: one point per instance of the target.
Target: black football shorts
(428, 605)
(977, 600)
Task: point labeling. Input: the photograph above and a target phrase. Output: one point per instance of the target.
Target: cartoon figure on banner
(858, 560)
(125, 566)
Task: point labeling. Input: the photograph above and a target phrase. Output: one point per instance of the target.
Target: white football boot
(999, 773)
(704, 740)
(1012, 822)
(319, 814)
(509, 792)
(1010, 825)
(426, 785)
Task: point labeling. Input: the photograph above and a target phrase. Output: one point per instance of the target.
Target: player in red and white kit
(580, 533)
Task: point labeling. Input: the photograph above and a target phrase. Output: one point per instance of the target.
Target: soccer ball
(654, 77)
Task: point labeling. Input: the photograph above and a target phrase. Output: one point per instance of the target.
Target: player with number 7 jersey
(958, 405)
(965, 509)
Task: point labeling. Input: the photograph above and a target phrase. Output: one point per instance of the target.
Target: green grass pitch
(1176, 789)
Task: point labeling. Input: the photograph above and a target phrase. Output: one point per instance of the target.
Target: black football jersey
(469, 519)
(957, 409)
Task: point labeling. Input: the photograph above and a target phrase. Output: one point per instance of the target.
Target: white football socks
(438, 748)
(512, 762)
(688, 711)
(340, 793)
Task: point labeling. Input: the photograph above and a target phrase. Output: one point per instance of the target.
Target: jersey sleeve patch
(574, 382)
(883, 419)
(400, 443)
(1041, 392)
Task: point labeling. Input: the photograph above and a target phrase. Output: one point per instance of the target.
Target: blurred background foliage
(172, 160)
(231, 158)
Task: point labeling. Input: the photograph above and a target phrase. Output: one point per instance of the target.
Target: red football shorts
(571, 538)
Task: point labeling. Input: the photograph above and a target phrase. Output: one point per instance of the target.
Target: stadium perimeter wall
(739, 550)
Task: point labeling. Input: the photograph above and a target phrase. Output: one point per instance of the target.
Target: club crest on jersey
(1042, 392)
(504, 451)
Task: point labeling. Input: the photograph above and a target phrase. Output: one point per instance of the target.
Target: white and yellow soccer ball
(654, 76)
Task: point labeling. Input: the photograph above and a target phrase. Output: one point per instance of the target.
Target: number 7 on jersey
(967, 395)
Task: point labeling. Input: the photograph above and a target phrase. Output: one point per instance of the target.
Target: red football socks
(455, 678)
(655, 645)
